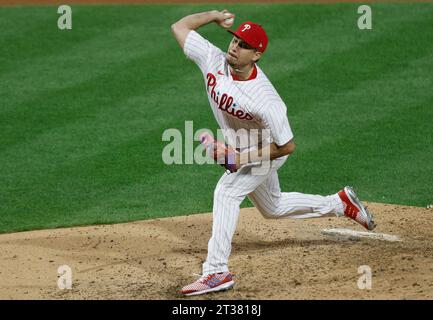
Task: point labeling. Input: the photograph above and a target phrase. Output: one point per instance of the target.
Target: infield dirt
(271, 259)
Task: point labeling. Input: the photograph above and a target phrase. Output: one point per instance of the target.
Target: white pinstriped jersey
(252, 104)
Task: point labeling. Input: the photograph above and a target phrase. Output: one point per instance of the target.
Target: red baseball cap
(253, 34)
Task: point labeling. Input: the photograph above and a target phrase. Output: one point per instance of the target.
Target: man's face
(241, 54)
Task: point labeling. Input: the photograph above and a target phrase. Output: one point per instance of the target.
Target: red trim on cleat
(354, 209)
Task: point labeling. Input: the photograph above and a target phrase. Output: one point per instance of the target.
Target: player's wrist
(216, 15)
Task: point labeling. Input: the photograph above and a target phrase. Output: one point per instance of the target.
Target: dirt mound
(271, 259)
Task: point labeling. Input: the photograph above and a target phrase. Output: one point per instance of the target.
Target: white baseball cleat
(354, 209)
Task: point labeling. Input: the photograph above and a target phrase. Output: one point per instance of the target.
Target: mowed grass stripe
(90, 150)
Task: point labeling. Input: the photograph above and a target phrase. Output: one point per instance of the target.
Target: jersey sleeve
(198, 49)
(275, 119)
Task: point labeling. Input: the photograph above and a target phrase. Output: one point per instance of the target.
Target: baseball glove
(223, 154)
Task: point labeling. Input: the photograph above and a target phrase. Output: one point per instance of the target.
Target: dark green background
(82, 112)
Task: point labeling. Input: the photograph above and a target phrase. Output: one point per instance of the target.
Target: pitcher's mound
(271, 259)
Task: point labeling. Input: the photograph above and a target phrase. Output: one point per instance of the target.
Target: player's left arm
(274, 119)
(232, 160)
(270, 152)
(281, 151)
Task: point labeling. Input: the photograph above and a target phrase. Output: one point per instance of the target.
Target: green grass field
(82, 112)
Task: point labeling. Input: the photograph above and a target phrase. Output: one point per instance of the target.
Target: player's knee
(271, 210)
(268, 212)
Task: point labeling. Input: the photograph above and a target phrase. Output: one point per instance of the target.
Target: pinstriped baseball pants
(264, 191)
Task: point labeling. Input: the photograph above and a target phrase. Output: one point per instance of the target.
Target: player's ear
(257, 56)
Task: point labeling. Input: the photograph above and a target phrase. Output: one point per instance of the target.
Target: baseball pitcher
(243, 101)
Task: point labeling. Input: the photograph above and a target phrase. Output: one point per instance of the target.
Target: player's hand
(225, 19)
(223, 154)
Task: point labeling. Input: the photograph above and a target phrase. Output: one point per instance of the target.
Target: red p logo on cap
(253, 34)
